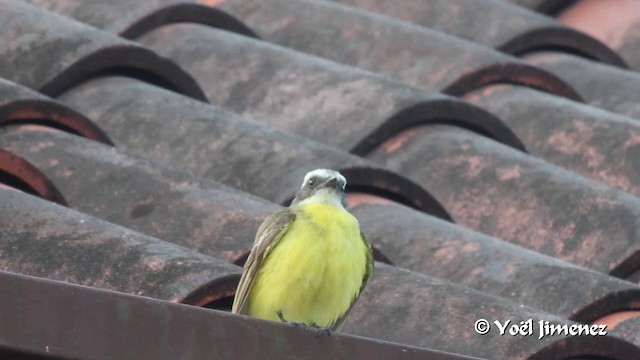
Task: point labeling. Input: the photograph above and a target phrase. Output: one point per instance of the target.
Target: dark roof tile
(42, 239)
(200, 214)
(628, 330)
(503, 26)
(352, 109)
(592, 142)
(410, 53)
(74, 52)
(540, 206)
(219, 221)
(606, 86)
(507, 194)
(427, 245)
(405, 307)
(222, 146)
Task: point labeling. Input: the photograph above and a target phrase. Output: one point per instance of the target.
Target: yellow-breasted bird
(309, 262)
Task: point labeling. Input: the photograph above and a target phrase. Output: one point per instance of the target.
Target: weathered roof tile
(59, 53)
(503, 26)
(130, 19)
(40, 238)
(507, 194)
(427, 245)
(418, 56)
(178, 207)
(592, 142)
(606, 86)
(216, 144)
(294, 92)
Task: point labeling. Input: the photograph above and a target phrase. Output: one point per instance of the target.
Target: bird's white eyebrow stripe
(323, 173)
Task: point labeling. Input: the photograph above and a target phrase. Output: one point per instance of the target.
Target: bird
(309, 262)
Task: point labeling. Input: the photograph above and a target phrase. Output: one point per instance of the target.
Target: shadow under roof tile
(402, 306)
(600, 85)
(413, 54)
(40, 238)
(503, 26)
(148, 329)
(216, 144)
(507, 194)
(130, 19)
(351, 109)
(18, 173)
(427, 245)
(52, 53)
(543, 6)
(20, 105)
(590, 141)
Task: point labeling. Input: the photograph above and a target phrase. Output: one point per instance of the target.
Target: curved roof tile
(427, 245)
(338, 105)
(75, 52)
(507, 194)
(42, 239)
(216, 144)
(589, 141)
(503, 26)
(418, 56)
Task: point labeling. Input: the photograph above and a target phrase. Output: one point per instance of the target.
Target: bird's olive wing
(269, 233)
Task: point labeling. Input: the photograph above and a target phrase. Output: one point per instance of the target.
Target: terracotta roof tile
(629, 330)
(428, 146)
(42, 239)
(607, 87)
(614, 23)
(403, 300)
(219, 145)
(592, 142)
(74, 52)
(352, 109)
(412, 54)
(200, 214)
(132, 19)
(542, 207)
(427, 245)
(503, 26)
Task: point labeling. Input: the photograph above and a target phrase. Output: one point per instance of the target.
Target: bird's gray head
(322, 182)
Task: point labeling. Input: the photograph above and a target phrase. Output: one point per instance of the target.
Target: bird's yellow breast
(315, 271)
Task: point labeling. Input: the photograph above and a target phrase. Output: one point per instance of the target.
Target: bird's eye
(312, 182)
